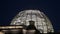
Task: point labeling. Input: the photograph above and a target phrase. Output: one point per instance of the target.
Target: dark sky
(9, 8)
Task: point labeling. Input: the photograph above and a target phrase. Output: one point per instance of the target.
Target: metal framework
(42, 23)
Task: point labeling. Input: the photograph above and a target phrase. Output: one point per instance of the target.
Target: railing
(11, 27)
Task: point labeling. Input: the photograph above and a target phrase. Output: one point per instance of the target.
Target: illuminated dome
(42, 23)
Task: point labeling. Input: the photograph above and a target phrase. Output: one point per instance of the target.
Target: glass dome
(42, 23)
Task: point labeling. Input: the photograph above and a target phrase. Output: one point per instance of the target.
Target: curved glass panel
(42, 23)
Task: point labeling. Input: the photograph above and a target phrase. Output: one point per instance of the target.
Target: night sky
(10, 8)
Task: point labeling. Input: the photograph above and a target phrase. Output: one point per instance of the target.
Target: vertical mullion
(42, 25)
(46, 22)
(26, 18)
(36, 21)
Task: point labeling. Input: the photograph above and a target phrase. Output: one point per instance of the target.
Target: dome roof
(42, 23)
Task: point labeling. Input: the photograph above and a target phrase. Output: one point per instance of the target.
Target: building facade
(42, 23)
(21, 21)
